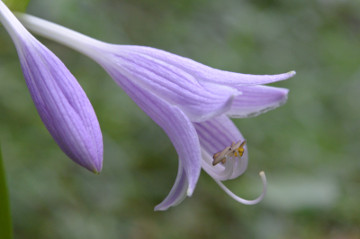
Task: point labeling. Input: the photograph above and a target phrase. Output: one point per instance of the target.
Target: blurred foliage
(17, 5)
(309, 147)
(5, 214)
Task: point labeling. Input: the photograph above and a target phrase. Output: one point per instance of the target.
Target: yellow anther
(241, 152)
(241, 149)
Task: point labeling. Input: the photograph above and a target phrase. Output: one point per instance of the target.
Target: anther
(233, 151)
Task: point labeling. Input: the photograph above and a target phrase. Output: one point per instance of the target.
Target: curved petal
(177, 193)
(214, 136)
(209, 74)
(61, 102)
(171, 83)
(256, 100)
(173, 121)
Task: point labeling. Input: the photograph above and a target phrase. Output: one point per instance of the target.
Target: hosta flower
(62, 104)
(190, 101)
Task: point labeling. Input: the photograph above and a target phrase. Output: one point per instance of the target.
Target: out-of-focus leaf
(297, 192)
(5, 218)
(17, 5)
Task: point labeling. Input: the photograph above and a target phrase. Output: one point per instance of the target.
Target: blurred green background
(309, 148)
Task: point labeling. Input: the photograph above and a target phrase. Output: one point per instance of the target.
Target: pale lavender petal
(173, 84)
(61, 103)
(173, 121)
(208, 74)
(256, 100)
(215, 135)
(177, 193)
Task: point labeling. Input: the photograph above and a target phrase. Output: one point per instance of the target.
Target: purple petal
(256, 100)
(215, 135)
(177, 193)
(173, 121)
(208, 74)
(175, 85)
(61, 103)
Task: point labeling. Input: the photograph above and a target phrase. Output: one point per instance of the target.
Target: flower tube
(190, 101)
(59, 99)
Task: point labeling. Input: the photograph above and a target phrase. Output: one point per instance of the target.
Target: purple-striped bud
(61, 102)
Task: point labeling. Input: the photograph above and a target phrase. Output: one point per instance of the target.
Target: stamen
(221, 156)
(234, 151)
(241, 149)
(244, 201)
(220, 172)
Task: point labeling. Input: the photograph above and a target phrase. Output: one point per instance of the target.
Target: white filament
(219, 171)
(244, 201)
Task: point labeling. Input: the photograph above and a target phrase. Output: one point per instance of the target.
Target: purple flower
(190, 101)
(61, 102)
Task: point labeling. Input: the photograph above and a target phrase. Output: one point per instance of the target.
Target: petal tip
(159, 208)
(189, 192)
(94, 166)
(94, 169)
(292, 73)
(96, 172)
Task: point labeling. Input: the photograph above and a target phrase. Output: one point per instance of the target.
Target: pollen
(236, 150)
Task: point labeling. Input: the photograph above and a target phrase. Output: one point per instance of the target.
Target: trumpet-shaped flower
(190, 101)
(61, 102)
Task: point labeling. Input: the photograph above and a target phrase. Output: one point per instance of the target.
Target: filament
(244, 201)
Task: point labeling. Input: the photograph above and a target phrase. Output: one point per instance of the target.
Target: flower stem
(11, 24)
(58, 33)
(5, 216)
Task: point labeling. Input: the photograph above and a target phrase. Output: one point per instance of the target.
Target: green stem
(5, 216)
